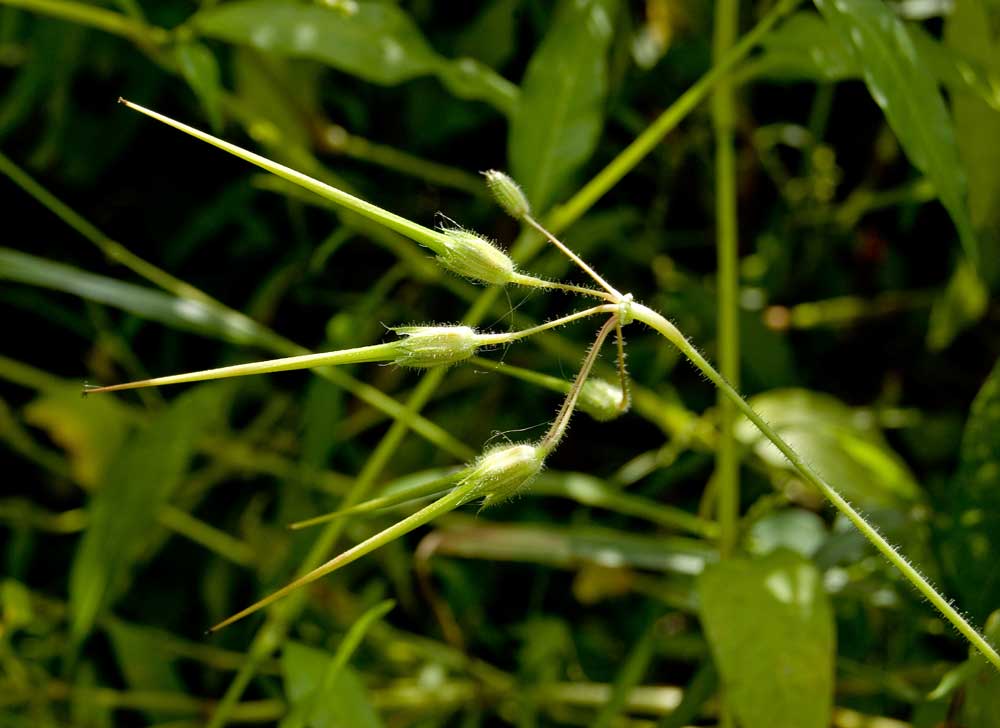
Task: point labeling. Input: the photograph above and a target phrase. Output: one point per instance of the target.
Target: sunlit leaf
(141, 478)
(374, 41)
(201, 71)
(904, 87)
(558, 120)
(971, 542)
(842, 445)
(770, 627)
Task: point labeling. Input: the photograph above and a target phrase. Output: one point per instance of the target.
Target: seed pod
(502, 472)
(431, 346)
(508, 194)
(601, 399)
(475, 257)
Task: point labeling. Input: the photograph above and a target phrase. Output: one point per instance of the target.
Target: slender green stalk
(360, 355)
(507, 338)
(727, 470)
(670, 332)
(201, 533)
(568, 213)
(443, 505)
(555, 434)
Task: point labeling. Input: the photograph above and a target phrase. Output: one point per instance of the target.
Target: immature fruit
(508, 194)
(423, 347)
(601, 399)
(504, 471)
(475, 257)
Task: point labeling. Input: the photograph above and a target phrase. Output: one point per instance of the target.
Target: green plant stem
(670, 332)
(201, 533)
(727, 469)
(568, 213)
(555, 434)
(507, 338)
(94, 17)
(443, 505)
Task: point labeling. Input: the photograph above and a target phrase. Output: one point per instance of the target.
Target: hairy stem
(670, 332)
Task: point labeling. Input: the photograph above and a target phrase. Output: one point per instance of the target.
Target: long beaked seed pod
(602, 400)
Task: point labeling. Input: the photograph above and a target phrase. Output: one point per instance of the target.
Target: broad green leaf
(795, 529)
(770, 627)
(140, 479)
(558, 119)
(971, 541)
(974, 28)
(201, 71)
(981, 708)
(181, 313)
(804, 49)
(374, 41)
(843, 445)
(904, 87)
(143, 666)
(345, 703)
(492, 37)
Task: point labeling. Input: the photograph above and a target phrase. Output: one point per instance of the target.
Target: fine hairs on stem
(501, 472)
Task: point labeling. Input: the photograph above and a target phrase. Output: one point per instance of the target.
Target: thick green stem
(727, 470)
(657, 322)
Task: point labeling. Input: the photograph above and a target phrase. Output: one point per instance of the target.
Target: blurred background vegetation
(860, 158)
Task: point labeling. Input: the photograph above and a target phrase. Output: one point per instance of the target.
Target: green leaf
(770, 627)
(345, 703)
(181, 313)
(375, 41)
(558, 120)
(963, 302)
(141, 478)
(982, 692)
(904, 87)
(972, 28)
(144, 669)
(201, 71)
(844, 446)
(795, 529)
(89, 431)
(803, 48)
(970, 542)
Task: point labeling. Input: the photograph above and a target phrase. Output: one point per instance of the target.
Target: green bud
(431, 346)
(508, 194)
(502, 472)
(601, 399)
(475, 257)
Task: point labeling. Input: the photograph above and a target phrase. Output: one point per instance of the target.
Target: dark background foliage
(867, 330)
